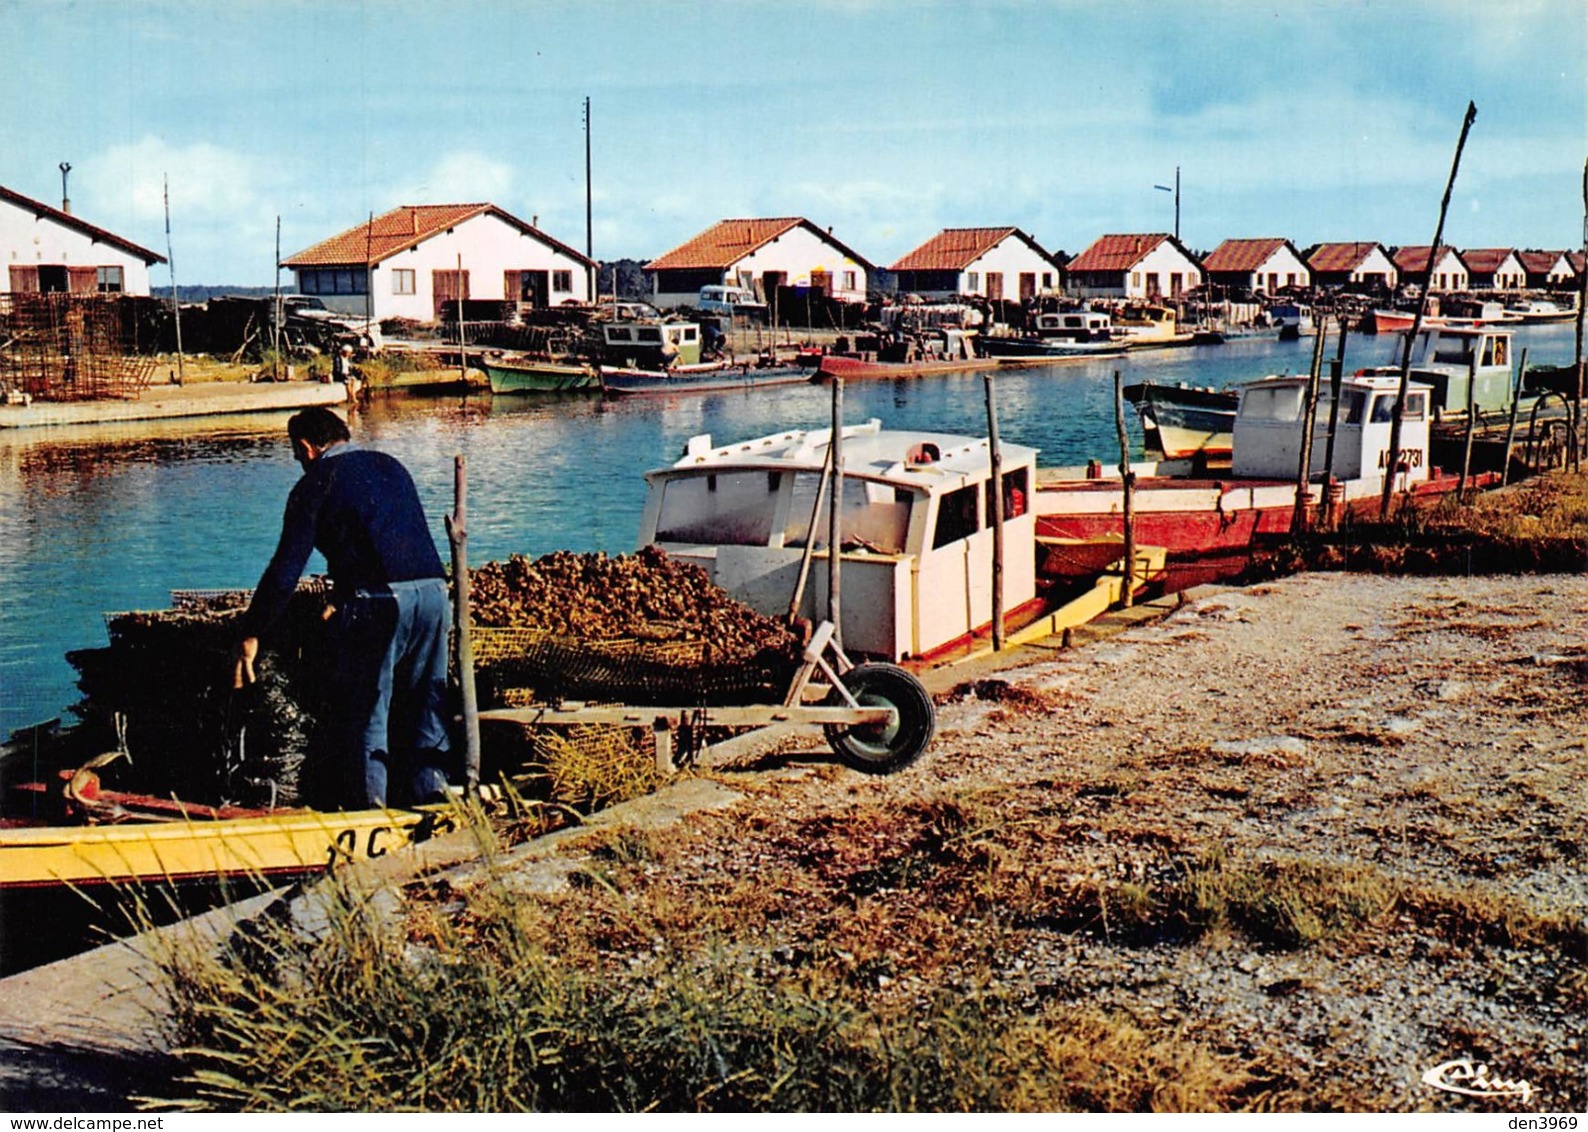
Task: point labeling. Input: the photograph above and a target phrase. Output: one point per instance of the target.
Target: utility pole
(1176, 192)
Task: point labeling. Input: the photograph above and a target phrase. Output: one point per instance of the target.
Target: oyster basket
(511, 661)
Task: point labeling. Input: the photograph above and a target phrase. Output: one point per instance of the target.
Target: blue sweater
(361, 510)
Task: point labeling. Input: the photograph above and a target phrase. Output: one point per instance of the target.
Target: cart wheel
(881, 748)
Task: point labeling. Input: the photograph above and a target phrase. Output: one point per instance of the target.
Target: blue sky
(1310, 119)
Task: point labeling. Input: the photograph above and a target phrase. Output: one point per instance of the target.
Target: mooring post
(1510, 428)
(458, 536)
(995, 457)
(1127, 485)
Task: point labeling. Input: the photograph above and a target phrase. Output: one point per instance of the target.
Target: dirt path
(1402, 759)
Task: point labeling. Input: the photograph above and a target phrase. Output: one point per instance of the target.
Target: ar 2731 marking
(345, 846)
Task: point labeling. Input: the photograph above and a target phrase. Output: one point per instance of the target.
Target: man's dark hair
(317, 426)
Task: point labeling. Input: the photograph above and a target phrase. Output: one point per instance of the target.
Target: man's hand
(247, 650)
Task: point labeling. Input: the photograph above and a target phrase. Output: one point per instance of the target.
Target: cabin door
(529, 288)
(995, 286)
(1028, 286)
(821, 282)
(448, 287)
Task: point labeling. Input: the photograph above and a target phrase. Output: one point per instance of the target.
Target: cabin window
(849, 280)
(1352, 402)
(972, 280)
(1452, 350)
(620, 334)
(956, 517)
(1015, 495)
(562, 281)
(108, 280)
(727, 508)
(402, 281)
(1416, 407)
(1282, 403)
(1384, 408)
(651, 334)
(1495, 353)
(873, 517)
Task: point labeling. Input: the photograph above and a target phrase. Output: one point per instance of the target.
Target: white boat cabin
(1463, 367)
(916, 571)
(1268, 430)
(1077, 326)
(651, 345)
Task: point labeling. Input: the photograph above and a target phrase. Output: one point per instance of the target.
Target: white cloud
(461, 177)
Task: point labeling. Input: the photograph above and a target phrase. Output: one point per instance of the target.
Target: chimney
(413, 220)
(66, 201)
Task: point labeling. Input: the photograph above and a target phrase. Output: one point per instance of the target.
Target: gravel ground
(1425, 732)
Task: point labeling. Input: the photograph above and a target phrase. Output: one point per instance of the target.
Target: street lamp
(1176, 192)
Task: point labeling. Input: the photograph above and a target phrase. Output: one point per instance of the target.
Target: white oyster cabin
(415, 260)
(1359, 266)
(760, 256)
(991, 263)
(1151, 266)
(1263, 265)
(49, 249)
(1449, 272)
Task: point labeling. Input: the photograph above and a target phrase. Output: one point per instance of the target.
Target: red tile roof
(66, 219)
(1484, 261)
(1117, 252)
(1539, 263)
(402, 228)
(1243, 255)
(725, 243)
(1415, 259)
(954, 249)
(1335, 258)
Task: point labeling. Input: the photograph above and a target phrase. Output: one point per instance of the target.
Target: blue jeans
(392, 684)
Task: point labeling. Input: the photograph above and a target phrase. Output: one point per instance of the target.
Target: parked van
(722, 299)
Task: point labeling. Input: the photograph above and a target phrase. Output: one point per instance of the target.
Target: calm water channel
(111, 520)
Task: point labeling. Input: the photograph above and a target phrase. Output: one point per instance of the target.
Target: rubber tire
(882, 750)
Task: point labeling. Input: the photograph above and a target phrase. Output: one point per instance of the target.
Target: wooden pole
(1582, 301)
(800, 581)
(835, 533)
(275, 320)
(995, 457)
(1309, 414)
(1394, 453)
(170, 259)
(463, 338)
(1336, 379)
(1472, 425)
(1510, 428)
(1127, 484)
(458, 536)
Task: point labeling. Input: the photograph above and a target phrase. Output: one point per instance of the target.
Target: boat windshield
(720, 508)
(1272, 403)
(875, 516)
(737, 508)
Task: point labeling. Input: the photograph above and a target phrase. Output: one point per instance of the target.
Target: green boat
(531, 376)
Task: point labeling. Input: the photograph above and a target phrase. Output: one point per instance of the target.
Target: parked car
(723, 299)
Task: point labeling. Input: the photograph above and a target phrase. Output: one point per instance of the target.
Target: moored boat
(1182, 422)
(706, 378)
(529, 375)
(916, 529)
(1209, 525)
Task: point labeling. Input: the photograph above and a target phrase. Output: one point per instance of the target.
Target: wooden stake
(995, 457)
(458, 536)
(1394, 453)
(1127, 484)
(1510, 428)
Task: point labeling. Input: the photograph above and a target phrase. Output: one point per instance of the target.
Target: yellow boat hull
(295, 842)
